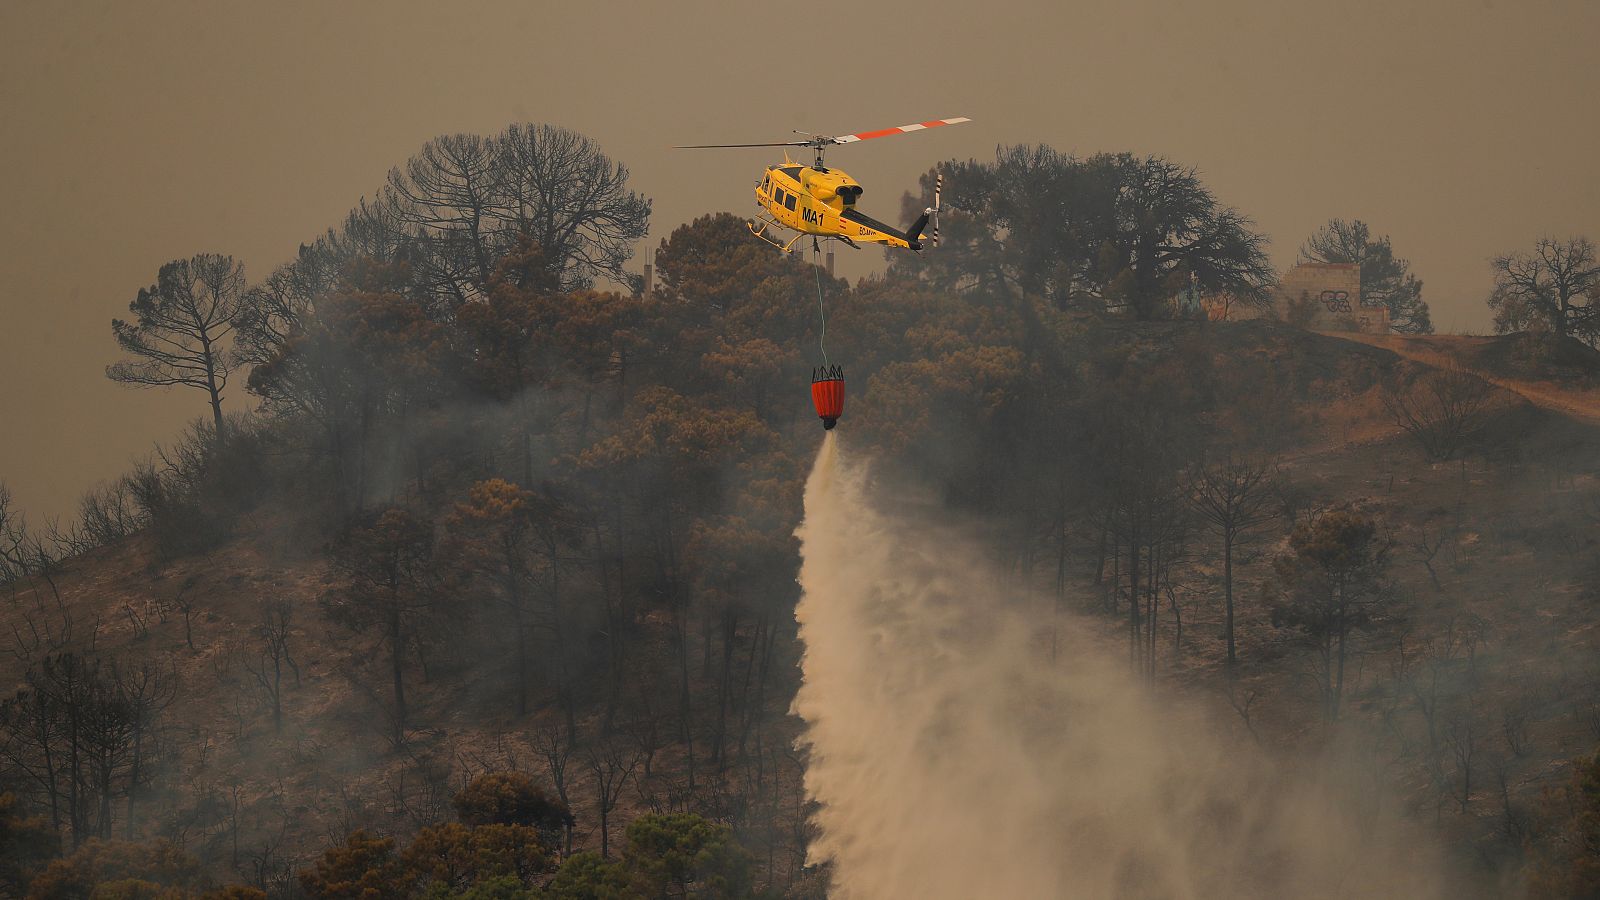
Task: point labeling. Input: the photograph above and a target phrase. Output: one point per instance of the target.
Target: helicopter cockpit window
(777, 195)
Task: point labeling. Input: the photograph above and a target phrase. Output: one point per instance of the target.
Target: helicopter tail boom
(916, 227)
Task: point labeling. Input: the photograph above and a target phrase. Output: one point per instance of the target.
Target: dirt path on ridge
(1443, 351)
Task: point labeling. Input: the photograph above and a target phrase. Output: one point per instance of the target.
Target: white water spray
(952, 759)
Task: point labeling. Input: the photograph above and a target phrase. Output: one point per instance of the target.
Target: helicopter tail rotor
(930, 216)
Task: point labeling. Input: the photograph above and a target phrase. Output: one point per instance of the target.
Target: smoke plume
(952, 758)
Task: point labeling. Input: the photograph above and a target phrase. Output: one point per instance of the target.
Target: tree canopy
(466, 200)
(1114, 231)
(181, 328)
(1553, 286)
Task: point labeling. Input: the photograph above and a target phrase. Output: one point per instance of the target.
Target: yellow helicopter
(820, 201)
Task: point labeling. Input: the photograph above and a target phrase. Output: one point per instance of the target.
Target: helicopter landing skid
(761, 232)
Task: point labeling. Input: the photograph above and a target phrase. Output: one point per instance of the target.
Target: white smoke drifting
(952, 759)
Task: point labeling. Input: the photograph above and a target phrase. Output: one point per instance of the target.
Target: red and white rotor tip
(901, 129)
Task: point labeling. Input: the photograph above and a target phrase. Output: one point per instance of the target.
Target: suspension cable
(822, 314)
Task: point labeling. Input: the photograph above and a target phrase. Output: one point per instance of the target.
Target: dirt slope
(1550, 372)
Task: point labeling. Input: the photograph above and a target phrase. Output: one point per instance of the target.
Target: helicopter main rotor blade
(728, 146)
(902, 129)
(818, 142)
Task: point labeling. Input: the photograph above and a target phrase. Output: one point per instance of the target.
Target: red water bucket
(827, 394)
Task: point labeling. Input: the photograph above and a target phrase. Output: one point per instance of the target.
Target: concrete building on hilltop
(1317, 295)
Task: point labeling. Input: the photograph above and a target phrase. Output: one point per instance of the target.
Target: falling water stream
(951, 758)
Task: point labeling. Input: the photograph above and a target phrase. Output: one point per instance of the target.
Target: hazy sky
(132, 134)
